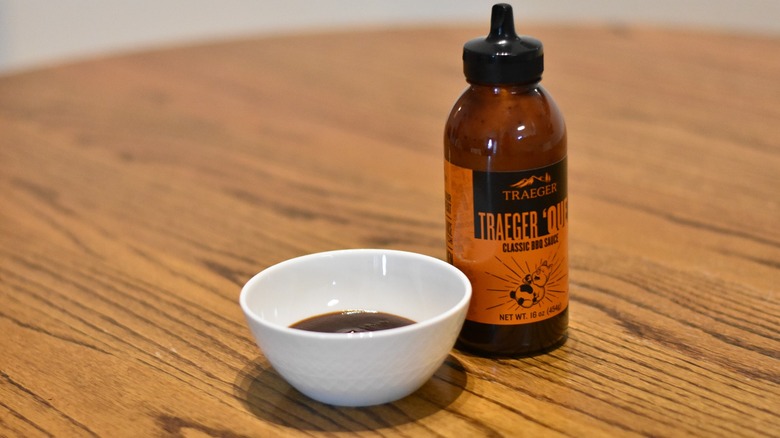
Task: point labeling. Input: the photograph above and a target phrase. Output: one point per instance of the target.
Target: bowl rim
(461, 305)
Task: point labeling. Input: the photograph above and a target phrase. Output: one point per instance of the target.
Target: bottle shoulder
(505, 127)
(504, 109)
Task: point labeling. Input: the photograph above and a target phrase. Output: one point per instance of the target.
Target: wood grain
(139, 192)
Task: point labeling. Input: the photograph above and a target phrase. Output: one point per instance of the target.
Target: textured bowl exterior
(358, 371)
(363, 369)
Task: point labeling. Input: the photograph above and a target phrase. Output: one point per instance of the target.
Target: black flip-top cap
(503, 57)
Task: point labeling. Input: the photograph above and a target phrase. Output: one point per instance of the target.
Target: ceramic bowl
(357, 369)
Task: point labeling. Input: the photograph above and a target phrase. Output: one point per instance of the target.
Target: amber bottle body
(497, 129)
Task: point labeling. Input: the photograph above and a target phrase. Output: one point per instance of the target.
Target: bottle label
(508, 232)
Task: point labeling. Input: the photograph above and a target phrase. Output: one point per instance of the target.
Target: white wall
(36, 33)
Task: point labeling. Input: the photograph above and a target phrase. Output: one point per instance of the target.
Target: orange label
(508, 232)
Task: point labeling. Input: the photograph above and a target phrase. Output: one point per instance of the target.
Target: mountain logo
(525, 182)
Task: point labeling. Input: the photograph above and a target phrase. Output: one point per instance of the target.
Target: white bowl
(357, 369)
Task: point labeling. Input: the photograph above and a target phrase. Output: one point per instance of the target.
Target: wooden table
(138, 193)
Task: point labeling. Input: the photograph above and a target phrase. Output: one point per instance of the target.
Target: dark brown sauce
(352, 321)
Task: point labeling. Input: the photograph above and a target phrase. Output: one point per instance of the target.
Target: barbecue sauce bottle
(506, 196)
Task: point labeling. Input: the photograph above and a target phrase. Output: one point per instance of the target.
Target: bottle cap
(503, 57)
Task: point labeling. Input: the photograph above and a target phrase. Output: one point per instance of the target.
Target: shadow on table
(267, 396)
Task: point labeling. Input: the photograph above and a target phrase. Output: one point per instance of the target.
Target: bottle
(506, 198)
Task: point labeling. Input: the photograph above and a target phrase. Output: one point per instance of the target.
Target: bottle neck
(504, 88)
